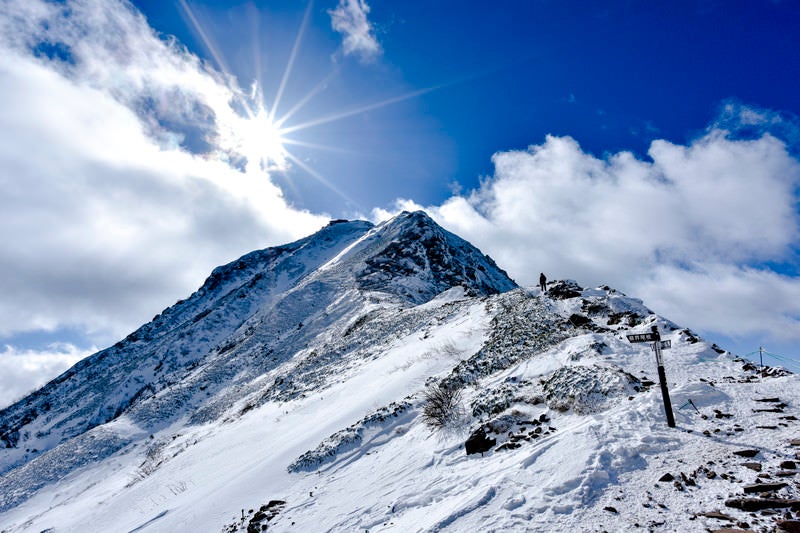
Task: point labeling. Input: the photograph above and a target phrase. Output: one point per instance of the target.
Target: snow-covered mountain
(289, 393)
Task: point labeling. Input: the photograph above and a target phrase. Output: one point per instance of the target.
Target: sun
(262, 143)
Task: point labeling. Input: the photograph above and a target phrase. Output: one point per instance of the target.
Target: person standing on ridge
(543, 282)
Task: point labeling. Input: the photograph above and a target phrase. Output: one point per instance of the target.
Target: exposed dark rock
(717, 515)
(561, 290)
(580, 321)
(610, 509)
(763, 487)
(790, 526)
(753, 466)
(479, 442)
(746, 453)
(788, 465)
(758, 504)
(507, 446)
(666, 478)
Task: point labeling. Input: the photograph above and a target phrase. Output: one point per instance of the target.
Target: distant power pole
(655, 337)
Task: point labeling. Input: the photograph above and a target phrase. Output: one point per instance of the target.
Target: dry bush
(441, 406)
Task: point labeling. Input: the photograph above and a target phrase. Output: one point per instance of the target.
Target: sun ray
(316, 146)
(359, 110)
(256, 18)
(215, 53)
(303, 101)
(322, 180)
(290, 65)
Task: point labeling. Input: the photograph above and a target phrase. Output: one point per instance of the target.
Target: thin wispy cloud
(350, 19)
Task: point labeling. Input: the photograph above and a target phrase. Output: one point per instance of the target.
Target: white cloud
(350, 19)
(689, 231)
(23, 371)
(104, 219)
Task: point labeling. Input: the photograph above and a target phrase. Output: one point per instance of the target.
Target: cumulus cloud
(23, 371)
(108, 213)
(350, 19)
(692, 231)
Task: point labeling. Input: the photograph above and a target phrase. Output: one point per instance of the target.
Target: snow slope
(293, 403)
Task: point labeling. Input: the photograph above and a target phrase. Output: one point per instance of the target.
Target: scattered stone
(731, 530)
(508, 446)
(763, 487)
(746, 453)
(717, 515)
(666, 478)
(788, 465)
(785, 473)
(766, 427)
(790, 418)
(758, 504)
(753, 466)
(720, 414)
(795, 442)
(776, 410)
(770, 400)
(790, 526)
(610, 509)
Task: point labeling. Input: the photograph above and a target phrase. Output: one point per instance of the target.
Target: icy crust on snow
(353, 436)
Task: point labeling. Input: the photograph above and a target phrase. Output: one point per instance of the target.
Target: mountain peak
(419, 259)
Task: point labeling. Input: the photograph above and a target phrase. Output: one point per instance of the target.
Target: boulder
(758, 504)
(479, 442)
(746, 453)
(763, 487)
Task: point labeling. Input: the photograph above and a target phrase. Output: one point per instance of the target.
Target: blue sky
(651, 146)
(613, 75)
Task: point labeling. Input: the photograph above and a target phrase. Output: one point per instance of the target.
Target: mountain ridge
(207, 324)
(287, 393)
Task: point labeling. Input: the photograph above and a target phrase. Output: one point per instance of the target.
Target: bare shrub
(441, 406)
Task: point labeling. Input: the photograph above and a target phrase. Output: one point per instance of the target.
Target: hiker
(543, 282)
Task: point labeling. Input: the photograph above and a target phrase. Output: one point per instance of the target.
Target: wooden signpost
(657, 345)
